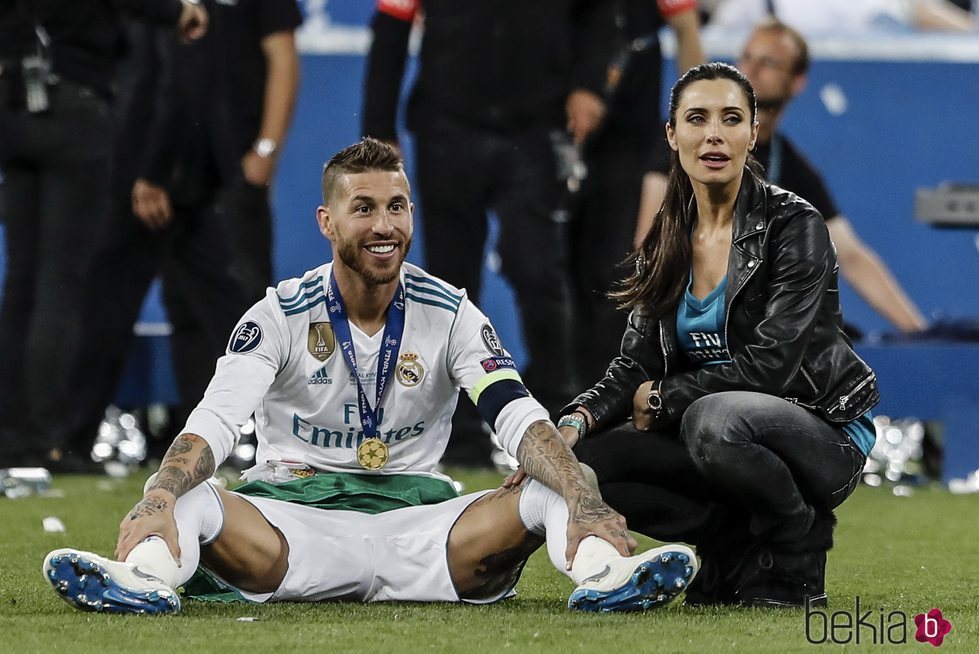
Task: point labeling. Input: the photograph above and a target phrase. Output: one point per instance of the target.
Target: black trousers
(770, 463)
(463, 173)
(602, 228)
(215, 261)
(56, 197)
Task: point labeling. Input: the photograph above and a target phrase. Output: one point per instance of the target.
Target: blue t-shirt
(862, 432)
(700, 326)
(700, 332)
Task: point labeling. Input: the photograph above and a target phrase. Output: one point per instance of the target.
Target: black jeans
(736, 452)
(463, 173)
(56, 186)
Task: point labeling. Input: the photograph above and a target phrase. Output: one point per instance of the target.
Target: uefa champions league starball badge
(372, 454)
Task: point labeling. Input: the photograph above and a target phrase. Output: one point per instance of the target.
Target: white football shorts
(398, 555)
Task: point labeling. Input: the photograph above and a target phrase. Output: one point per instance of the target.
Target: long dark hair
(659, 267)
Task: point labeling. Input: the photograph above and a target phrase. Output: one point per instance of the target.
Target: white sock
(200, 517)
(545, 512)
(153, 557)
(593, 555)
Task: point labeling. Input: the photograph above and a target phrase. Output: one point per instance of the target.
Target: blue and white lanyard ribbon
(393, 330)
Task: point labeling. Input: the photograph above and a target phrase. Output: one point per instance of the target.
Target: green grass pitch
(897, 554)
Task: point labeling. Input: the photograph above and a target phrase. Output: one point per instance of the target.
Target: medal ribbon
(386, 359)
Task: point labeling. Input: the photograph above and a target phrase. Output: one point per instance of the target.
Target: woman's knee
(716, 424)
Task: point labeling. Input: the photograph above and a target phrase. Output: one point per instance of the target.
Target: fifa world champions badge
(321, 342)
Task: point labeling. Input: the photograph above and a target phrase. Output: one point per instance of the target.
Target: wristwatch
(265, 148)
(655, 400)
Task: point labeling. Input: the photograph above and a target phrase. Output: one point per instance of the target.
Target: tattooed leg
(489, 544)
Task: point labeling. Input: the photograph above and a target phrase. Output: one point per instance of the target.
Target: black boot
(721, 548)
(787, 574)
(708, 587)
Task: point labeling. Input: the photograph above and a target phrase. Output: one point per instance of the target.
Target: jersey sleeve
(670, 8)
(401, 9)
(485, 370)
(256, 352)
(278, 16)
(385, 69)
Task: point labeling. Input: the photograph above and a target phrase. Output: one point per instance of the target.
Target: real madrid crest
(409, 371)
(320, 341)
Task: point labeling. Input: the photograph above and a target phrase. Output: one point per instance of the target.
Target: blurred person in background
(775, 59)
(626, 159)
(500, 88)
(56, 135)
(201, 131)
(835, 16)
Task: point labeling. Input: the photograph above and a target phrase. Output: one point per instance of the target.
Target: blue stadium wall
(879, 118)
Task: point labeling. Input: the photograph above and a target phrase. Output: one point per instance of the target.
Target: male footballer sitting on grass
(353, 372)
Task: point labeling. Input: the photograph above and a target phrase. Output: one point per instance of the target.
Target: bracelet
(575, 420)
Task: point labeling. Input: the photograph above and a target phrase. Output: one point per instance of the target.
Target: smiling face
(368, 219)
(713, 131)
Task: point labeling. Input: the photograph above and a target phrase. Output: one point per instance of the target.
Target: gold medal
(372, 454)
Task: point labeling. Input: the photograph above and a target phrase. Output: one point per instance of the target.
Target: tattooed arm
(546, 457)
(187, 463)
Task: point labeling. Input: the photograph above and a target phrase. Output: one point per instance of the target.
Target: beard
(350, 254)
(772, 102)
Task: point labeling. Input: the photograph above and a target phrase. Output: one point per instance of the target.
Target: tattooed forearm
(148, 507)
(205, 464)
(173, 479)
(188, 462)
(591, 508)
(545, 456)
(181, 445)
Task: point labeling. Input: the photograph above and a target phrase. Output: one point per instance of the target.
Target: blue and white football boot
(94, 583)
(636, 583)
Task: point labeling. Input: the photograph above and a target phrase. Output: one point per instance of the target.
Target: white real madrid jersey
(283, 363)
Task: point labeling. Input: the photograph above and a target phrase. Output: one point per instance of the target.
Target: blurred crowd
(139, 140)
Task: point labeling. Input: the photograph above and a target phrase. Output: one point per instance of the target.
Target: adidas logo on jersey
(320, 377)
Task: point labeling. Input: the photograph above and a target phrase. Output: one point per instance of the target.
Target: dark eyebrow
(366, 199)
(723, 109)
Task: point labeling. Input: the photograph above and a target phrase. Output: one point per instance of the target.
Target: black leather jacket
(783, 325)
